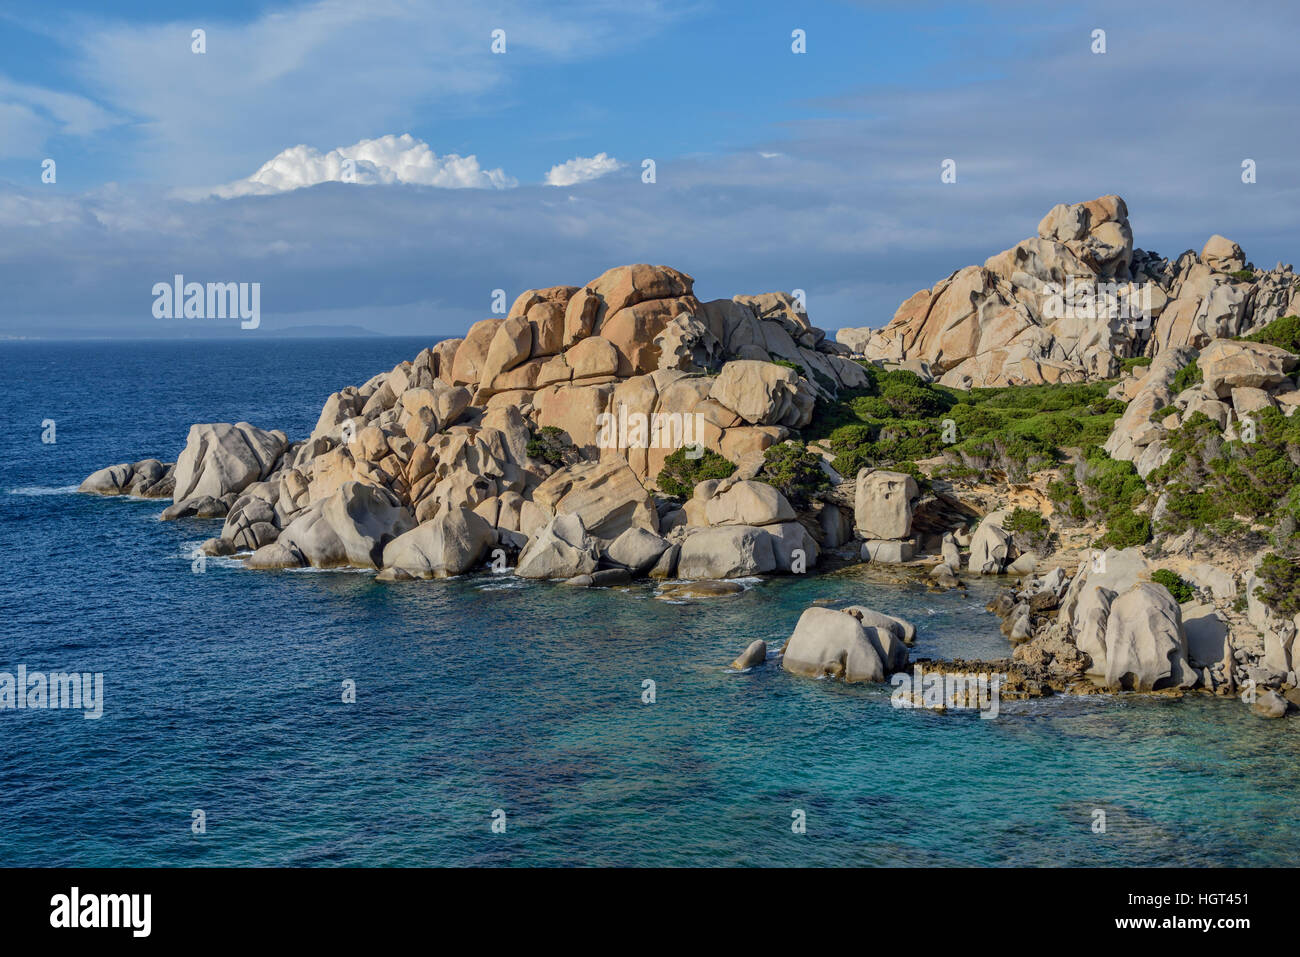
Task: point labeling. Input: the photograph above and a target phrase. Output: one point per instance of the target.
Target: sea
(323, 719)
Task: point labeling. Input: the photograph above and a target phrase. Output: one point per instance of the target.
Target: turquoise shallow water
(223, 692)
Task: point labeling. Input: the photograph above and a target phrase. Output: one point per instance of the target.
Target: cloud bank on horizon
(773, 169)
(386, 161)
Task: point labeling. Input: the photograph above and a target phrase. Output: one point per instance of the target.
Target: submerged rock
(702, 589)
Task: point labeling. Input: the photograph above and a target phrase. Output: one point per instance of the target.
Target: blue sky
(774, 170)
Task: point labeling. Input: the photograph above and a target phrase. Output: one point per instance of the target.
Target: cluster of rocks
(1109, 627)
(430, 469)
(425, 470)
(1239, 380)
(1005, 322)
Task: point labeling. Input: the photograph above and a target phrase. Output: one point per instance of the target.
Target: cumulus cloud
(324, 69)
(580, 169)
(383, 161)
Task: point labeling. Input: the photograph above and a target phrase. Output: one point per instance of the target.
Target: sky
(378, 166)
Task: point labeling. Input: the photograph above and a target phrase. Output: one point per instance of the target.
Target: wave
(44, 490)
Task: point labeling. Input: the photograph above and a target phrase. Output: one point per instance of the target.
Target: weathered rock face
(747, 503)
(1014, 321)
(1207, 635)
(450, 544)
(606, 495)
(1227, 364)
(727, 551)
(1134, 430)
(991, 547)
(883, 504)
(351, 527)
(763, 393)
(221, 458)
(1146, 647)
(834, 644)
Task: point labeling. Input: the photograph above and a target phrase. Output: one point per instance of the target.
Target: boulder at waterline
(449, 544)
(830, 643)
(220, 458)
(1146, 646)
(727, 551)
(701, 589)
(561, 549)
(350, 527)
(755, 654)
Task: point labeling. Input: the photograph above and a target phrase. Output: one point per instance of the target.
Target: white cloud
(383, 161)
(325, 69)
(580, 169)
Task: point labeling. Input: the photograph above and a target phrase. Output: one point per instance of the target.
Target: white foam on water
(187, 550)
(508, 584)
(43, 490)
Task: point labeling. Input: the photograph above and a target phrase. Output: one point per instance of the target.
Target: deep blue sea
(223, 691)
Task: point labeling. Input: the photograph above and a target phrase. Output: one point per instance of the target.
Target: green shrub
(1069, 503)
(871, 407)
(1188, 376)
(1128, 364)
(549, 445)
(1281, 584)
(1014, 430)
(1125, 530)
(795, 472)
(1283, 333)
(1175, 585)
(1029, 529)
(1209, 481)
(681, 474)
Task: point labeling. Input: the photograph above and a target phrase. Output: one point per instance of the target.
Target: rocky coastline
(1129, 475)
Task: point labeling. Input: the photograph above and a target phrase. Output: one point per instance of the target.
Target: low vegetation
(1174, 584)
(795, 471)
(1008, 433)
(1029, 530)
(1283, 333)
(550, 445)
(681, 473)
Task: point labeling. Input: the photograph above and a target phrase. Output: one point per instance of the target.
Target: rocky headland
(1111, 430)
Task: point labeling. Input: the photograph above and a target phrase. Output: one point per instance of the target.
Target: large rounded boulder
(835, 644)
